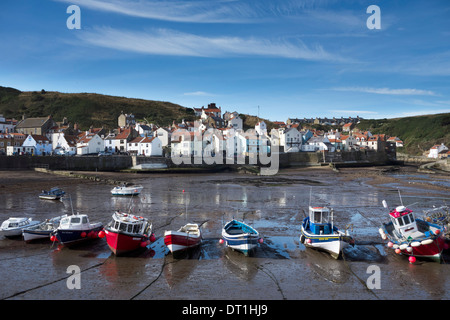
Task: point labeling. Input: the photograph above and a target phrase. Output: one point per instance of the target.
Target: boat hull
(31, 235)
(333, 244)
(75, 236)
(245, 243)
(121, 243)
(16, 232)
(178, 241)
(119, 191)
(429, 247)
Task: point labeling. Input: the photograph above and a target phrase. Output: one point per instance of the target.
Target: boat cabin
(320, 220)
(77, 221)
(12, 223)
(123, 222)
(403, 220)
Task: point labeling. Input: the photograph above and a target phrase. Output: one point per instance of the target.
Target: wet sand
(281, 268)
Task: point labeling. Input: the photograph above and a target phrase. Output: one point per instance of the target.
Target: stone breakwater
(80, 175)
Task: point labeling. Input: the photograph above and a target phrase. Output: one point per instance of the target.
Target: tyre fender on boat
(302, 238)
(382, 234)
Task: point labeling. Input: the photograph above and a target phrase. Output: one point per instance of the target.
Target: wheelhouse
(403, 220)
(74, 220)
(320, 220)
(15, 223)
(127, 223)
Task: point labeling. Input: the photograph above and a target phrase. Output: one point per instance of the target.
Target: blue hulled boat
(240, 236)
(76, 228)
(318, 232)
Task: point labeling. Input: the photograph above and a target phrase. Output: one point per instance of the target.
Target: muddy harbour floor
(281, 268)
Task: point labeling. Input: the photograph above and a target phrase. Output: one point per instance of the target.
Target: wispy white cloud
(177, 11)
(388, 91)
(354, 112)
(199, 94)
(170, 42)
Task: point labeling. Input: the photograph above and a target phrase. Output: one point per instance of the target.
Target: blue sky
(285, 58)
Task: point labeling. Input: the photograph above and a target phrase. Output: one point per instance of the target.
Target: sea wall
(122, 162)
(86, 163)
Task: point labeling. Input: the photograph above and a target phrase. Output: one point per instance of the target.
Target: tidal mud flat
(281, 267)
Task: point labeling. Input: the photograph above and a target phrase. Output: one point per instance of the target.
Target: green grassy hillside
(418, 133)
(88, 108)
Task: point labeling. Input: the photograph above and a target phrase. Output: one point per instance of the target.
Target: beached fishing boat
(127, 232)
(319, 232)
(124, 190)
(188, 236)
(54, 194)
(13, 226)
(239, 236)
(42, 230)
(412, 236)
(75, 229)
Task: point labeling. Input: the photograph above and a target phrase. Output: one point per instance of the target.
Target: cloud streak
(175, 43)
(176, 11)
(387, 91)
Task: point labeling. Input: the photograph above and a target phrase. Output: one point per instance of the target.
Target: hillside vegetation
(418, 133)
(88, 109)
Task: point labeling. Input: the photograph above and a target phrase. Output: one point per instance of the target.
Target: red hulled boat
(127, 232)
(188, 236)
(413, 236)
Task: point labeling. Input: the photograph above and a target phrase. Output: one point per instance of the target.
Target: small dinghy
(42, 230)
(239, 236)
(124, 190)
(188, 236)
(54, 194)
(319, 232)
(13, 227)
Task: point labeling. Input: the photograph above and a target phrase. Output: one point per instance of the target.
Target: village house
(118, 143)
(37, 126)
(398, 142)
(289, 139)
(348, 127)
(235, 122)
(211, 110)
(349, 143)
(38, 145)
(64, 144)
(321, 143)
(90, 143)
(126, 120)
(7, 125)
(145, 146)
(438, 151)
(186, 143)
(164, 135)
(11, 143)
(144, 130)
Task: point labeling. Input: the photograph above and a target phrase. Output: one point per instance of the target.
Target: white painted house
(288, 138)
(145, 146)
(90, 143)
(164, 135)
(64, 144)
(436, 150)
(37, 145)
